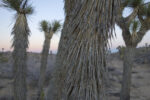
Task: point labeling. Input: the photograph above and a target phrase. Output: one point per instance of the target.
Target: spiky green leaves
(134, 3)
(12, 4)
(20, 6)
(29, 10)
(135, 25)
(146, 10)
(56, 26)
(134, 28)
(50, 27)
(44, 26)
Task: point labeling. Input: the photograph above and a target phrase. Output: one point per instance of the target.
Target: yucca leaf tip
(20, 6)
(56, 26)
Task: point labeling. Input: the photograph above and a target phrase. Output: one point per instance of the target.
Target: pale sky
(48, 10)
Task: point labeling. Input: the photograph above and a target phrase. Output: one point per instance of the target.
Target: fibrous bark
(127, 71)
(80, 68)
(20, 43)
(44, 56)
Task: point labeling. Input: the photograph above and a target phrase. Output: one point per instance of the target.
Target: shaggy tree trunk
(55, 86)
(82, 61)
(127, 73)
(45, 53)
(20, 43)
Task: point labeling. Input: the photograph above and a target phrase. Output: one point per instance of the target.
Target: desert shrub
(1, 54)
(42, 95)
(3, 59)
(121, 50)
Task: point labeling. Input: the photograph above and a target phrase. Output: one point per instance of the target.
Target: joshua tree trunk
(127, 65)
(128, 57)
(87, 31)
(20, 44)
(45, 53)
(55, 87)
(131, 39)
(127, 73)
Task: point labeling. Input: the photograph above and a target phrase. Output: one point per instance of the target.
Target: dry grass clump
(3, 59)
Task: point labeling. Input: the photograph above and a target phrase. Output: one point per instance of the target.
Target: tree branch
(131, 16)
(144, 28)
(140, 36)
(24, 4)
(145, 4)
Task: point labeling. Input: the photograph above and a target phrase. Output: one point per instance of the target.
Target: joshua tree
(49, 30)
(2, 50)
(80, 69)
(20, 34)
(134, 27)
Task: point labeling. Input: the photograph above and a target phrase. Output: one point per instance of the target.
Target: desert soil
(140, 89)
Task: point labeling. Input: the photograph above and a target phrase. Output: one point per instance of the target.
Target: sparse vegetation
(3, 59)
(1, 54)
(121, 50)
(79, 71)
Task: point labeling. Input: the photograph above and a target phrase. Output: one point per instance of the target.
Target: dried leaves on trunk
(20, 43)
(80, 69)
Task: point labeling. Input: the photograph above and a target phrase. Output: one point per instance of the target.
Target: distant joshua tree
(20, 43)
(2, 49)
(49, 30)
(134, 27)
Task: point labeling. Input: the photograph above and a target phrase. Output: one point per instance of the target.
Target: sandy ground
(140, 89)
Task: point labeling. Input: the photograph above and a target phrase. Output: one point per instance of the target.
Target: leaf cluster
(145, 10)
(50, 27)
(20, 6)
(143, 13)
(134, 3)
(135, 25)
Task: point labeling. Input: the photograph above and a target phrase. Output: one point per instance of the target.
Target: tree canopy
(20, 6)
(50, 27)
